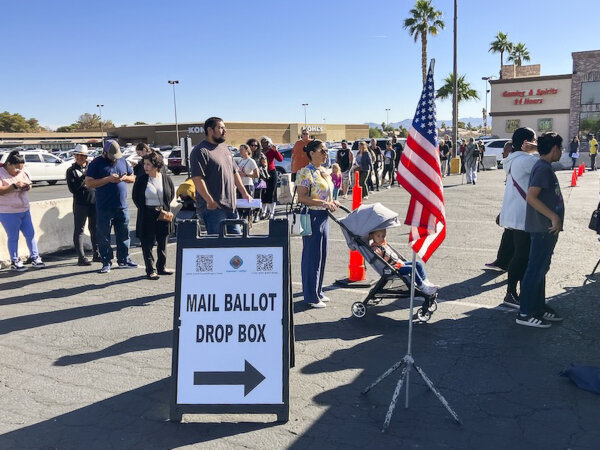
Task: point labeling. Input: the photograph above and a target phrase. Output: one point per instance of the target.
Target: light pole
(387, 116)
(174, 82)
(305, 105)
(487, 80)
(455, 85)
(101, 126)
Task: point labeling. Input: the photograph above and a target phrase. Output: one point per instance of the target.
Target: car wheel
(52, 182)
(176, 171)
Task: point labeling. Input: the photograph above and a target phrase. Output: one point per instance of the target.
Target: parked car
(174, 163)
(495, 147)
(42, 166)
(284, 166)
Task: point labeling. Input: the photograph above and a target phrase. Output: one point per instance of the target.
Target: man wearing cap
(107, 174)
(299, 158)
(345, 159)
(84, 205)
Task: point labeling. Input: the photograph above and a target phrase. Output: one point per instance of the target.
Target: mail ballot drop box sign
(231, 326)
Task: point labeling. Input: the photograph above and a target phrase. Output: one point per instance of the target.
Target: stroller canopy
(367, 218)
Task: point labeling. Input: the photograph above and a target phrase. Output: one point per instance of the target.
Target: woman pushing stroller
(380, 246)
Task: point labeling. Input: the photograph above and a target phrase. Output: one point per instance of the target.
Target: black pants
(388, 169)
(506, 249)
(362, 180)
(154, 231)
(376, 172)
(81, 214)
(520, 258)
(593, 161)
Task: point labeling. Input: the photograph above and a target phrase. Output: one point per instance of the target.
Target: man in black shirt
(345, 159)
(84, 205)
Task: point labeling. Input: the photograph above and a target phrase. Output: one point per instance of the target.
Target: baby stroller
(356, 227)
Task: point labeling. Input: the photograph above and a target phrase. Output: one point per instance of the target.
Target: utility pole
(387, 116)
(485, 114)
(455, 87)
(174, 82)
(101, 125)
(305, 105)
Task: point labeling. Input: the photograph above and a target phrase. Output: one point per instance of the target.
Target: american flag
(419, 173)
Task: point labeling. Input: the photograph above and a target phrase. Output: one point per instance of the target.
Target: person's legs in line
(162, 236)
(506, 250)
(323, 224)
(80, 215)
(91, 214)
(362, 175)
(518, 263)
(12, 225)
(29, 234)
(233, 229)
(533, 295)
(592, 161)
(376, 170)
(310, 264)
(212, 219)
(121, 223)
(103, 226)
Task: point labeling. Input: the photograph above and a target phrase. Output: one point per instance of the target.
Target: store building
(567, 104)
(237, 132)
(50, 141)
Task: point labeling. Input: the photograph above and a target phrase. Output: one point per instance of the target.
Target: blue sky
(260, 60)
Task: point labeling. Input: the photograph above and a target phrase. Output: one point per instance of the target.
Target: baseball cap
(344, 141)
(81, 149)
(112, 149)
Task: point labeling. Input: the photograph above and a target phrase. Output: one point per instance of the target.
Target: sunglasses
(253, 145)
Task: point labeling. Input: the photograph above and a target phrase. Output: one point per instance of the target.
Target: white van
(42, 165)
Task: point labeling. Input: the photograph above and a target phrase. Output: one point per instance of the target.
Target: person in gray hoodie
(518, 165)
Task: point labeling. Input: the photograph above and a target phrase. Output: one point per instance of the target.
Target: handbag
(163, 216)
(595, 221)
(260, 185)
(299, 218)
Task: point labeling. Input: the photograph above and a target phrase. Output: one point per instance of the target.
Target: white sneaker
(18, 266)
(429, 283)
(325, 299)
(428, 290)
(320, 304)
(37, 263)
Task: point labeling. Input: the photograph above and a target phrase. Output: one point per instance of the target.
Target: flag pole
(410, 323)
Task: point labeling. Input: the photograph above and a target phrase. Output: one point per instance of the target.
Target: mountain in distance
(475, 121)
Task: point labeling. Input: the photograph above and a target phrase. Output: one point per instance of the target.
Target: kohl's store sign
(195, 130)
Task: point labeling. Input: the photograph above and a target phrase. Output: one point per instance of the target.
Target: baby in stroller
(380, 246)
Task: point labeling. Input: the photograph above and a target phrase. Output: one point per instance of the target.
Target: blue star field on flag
(425, 116)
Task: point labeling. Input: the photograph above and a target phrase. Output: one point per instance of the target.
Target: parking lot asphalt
(86, 358)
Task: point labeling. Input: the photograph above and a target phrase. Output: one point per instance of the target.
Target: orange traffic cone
(580, 170)
(357, 273)
(574, 178)
(583, 168)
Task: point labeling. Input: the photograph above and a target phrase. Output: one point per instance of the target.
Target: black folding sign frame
(187, 237)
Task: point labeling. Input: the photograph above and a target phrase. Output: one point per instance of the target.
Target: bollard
(574, 178)
(356, 267)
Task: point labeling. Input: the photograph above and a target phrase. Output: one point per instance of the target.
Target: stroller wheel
(423, 315)
(359, 310)
(433, 306)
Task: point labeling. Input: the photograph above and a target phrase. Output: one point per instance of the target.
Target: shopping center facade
(568, 104)
(237, 132)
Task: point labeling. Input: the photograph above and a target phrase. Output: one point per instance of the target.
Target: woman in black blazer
(153, 191)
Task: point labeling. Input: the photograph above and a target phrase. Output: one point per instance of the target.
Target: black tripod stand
(407, 363)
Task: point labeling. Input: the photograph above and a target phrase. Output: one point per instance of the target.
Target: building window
(589, 122)
(545, 125)
(590, 93)
(512, 125)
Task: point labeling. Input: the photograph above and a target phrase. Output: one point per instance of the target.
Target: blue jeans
(420, 274)
(213, 217)
(533, 285)
(14, 223)
(119, 218)
(314, 257)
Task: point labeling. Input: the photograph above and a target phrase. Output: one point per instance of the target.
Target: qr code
(204, 263)
(264, 263)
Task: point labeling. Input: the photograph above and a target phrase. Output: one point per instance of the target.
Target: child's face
(379, 236)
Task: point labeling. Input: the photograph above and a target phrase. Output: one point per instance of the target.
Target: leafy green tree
(519, 53)
(16, 123)
(402, 132)
(424, 20)
(140, 123)
(375, 133)
(465, 91)
(443, 126)
(460, 124)
(500, 45)
(67, 128)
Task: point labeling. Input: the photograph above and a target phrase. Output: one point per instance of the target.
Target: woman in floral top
(315, 190)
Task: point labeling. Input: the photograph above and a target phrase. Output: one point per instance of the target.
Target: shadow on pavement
(502, 379)
(163, 339)
(134, 419)
(473, 286)
(65, 315)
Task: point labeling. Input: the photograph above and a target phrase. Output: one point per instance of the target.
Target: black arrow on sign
(250, 378)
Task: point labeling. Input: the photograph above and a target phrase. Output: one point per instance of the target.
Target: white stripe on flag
(424, 190)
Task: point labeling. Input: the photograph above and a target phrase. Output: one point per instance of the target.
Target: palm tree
(500, 45)
(519, 53)
(465, 91)
(424, 20)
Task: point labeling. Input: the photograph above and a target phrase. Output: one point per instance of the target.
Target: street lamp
(174, 82)
(487, 80)
(387, 116)
(101, 126)
(305, 105)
